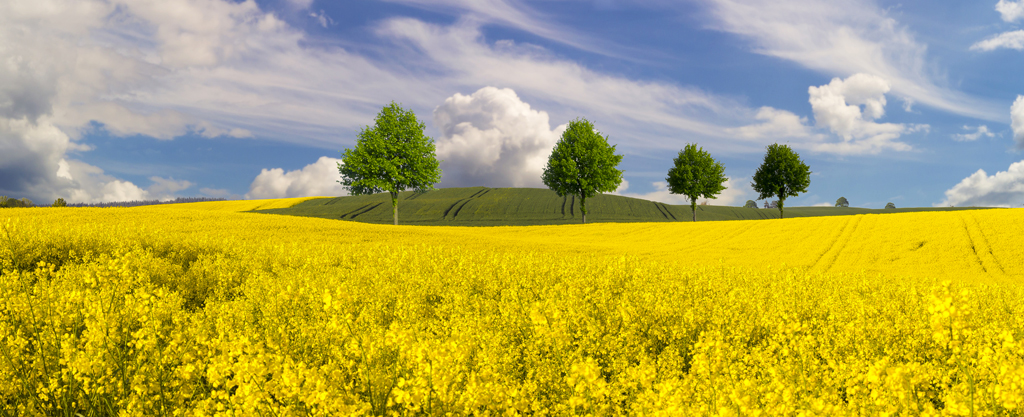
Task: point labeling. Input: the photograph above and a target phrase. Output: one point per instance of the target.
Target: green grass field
(481, 206)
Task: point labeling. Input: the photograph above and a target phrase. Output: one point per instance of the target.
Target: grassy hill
(481, 206)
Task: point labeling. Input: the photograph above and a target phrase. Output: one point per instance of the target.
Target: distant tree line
(6, 202)
(136, 203)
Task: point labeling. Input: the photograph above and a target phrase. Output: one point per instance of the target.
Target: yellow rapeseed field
(204, 309)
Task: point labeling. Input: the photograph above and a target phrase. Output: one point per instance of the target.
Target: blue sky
(915, 102)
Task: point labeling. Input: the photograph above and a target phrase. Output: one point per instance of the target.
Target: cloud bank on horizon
(495, 86)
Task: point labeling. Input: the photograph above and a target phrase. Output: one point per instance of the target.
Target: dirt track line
(480, 193)
(831, 254)
(456, 213)
(669, 211)
(979, 244)
(359, 213)
(661, 210)
(449, 209)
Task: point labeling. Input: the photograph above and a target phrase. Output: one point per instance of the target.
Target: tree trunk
(394, 206)
(693, 206)
(781, 200)
(583, 207)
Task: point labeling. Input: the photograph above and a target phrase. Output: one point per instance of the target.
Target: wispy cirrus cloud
(515, 14)
(842, 38)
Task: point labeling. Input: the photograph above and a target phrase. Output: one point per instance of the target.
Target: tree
(841, 202)
(59, 202)
(750, 204)
(696, 174)
(392, 156)
(14, 202)
(782, 174)
(890, 206)
(582, 163)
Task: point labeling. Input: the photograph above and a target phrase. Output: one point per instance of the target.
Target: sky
(919, 103)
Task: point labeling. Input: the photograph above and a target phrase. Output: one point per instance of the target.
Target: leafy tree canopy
(750, 204)
(696, 174)
(890, 206)
(583, 164)
(394, 155)
(781, 175)
(842, 202)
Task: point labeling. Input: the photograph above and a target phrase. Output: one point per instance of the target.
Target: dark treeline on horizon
(135, 203)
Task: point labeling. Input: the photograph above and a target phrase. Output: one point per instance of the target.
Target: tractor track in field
(669, 211)
(665, 212)
(980, 246)
(571, 200)
(361, 210)
(460, 203)
(830, 255)
(456, 213)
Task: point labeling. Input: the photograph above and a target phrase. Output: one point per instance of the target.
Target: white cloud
(737, 192)
(1008, 40)
(300, 4)
(165, 188)
(317, 179)
(849, 107)
(1017, 121)
(968, 137)
(322, 18)
(88, 184)
(207, 130)
(776, 124)
(513, 14)
(492, 138)
(467, 61)
(1010, 10)
(1004, 189)
(215, 192)
(845, 38)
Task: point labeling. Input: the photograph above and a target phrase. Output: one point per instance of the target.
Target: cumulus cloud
(69, 64)
(1008, 40)
(737, 192)
(978, 132)
(1017, 121)
(1010, 10)
(494, 139)
(775, 124)
(849, 107)
(317, 179)
(89, 184)
(1004, 189)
